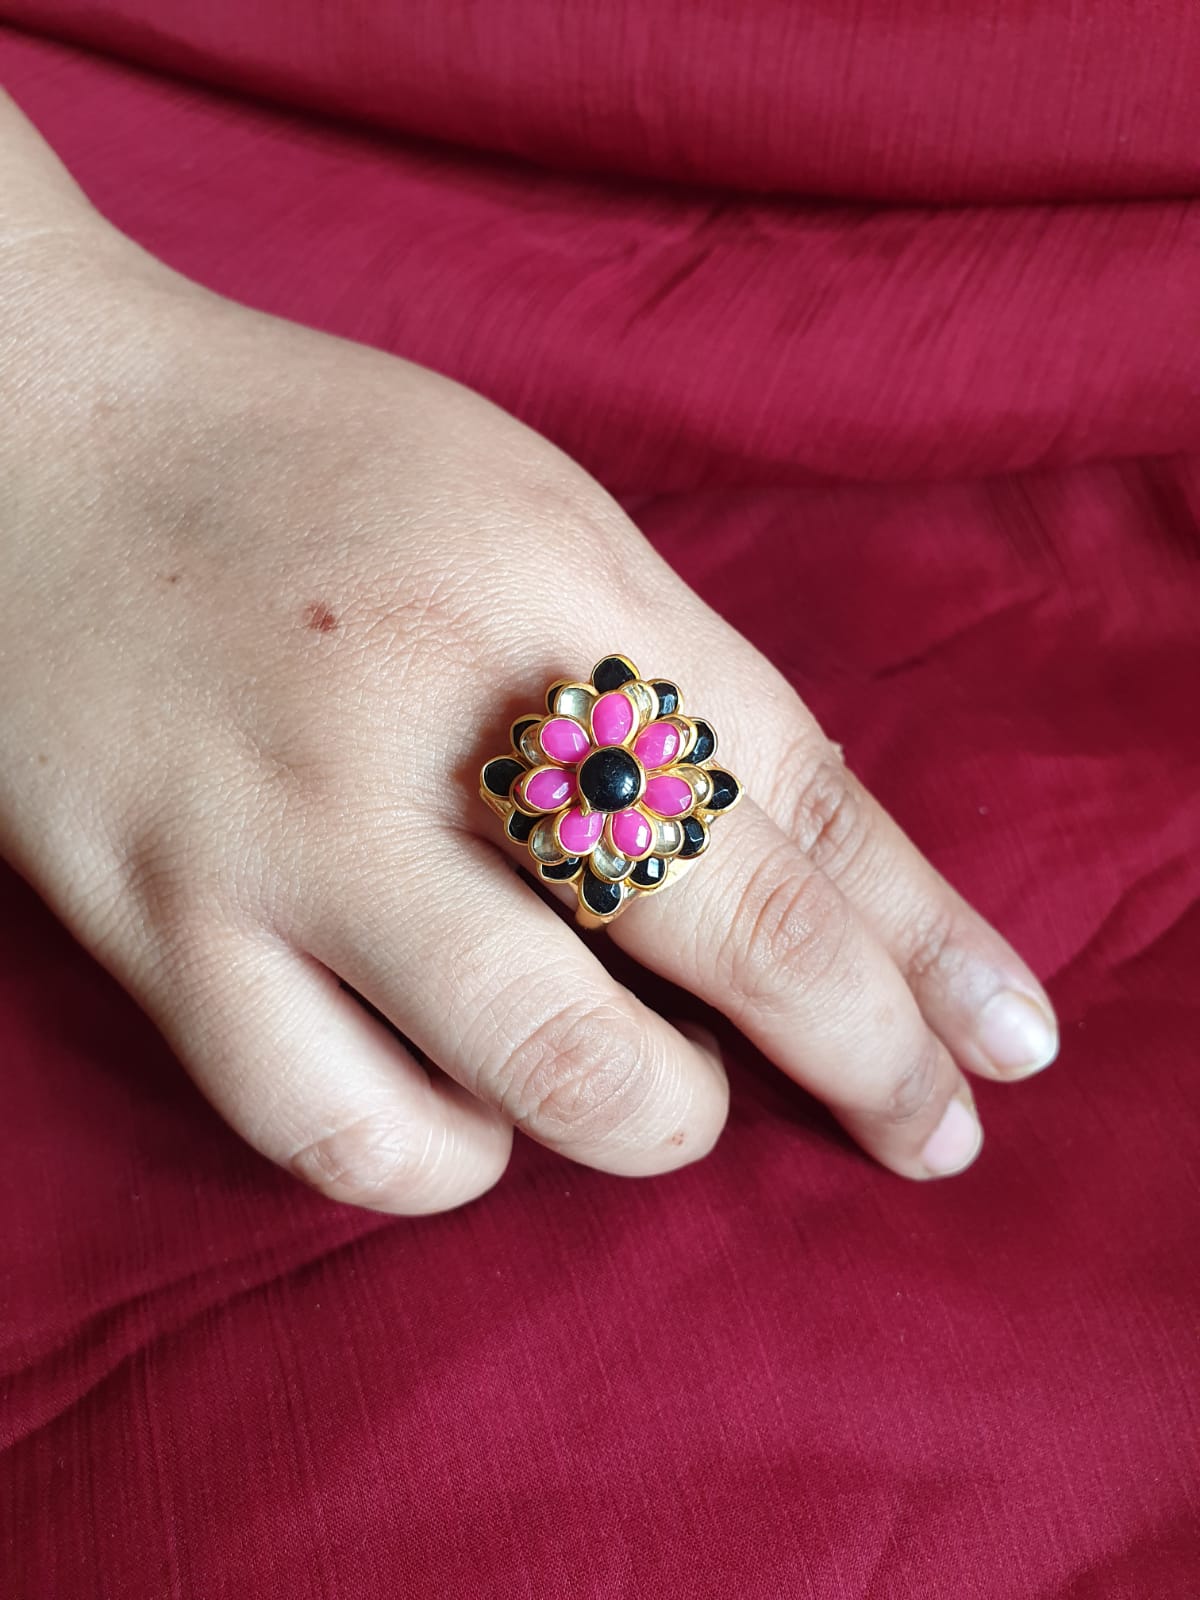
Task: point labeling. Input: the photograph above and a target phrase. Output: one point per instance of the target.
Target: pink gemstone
(658, 745)
(548, 788)
(612, 718)
(564, 741)
(668, 796)
(631, 832)
(579, 832)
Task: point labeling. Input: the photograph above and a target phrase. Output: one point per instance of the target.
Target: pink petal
(658, 745)
(613, 717)
(631, 832)
(548, 788)
(668, 796)
(564, 741)
(579, 832)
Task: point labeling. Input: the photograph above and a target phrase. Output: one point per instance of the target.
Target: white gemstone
(575, 700)
(698, 781)
(608, 864)
(644, 698)
(668, 836)
(687, 736)
(542, 844)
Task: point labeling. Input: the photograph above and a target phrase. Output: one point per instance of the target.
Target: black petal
(725, 790)
(561, 871)
(611, 673)
(706, 742)
(600, 896)
(695, 836)
(553, 690)
(668, 696)
(518, 728)
(519, 826)
(500, 775)
(650, 872)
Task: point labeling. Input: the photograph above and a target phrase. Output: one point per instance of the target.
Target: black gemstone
(706, 743)
(553, 690)
(649, 872)
(519, 826)
(724, 790)
(600, 896)
(518, 728)
(560, 871)
(610, 779)
(500, 775)
(611, 673)
(694, 836)
(668, 696)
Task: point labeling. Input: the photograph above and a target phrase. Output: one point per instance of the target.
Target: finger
(316, 1084)
(975, 992)
(761, 933)
(495, 987)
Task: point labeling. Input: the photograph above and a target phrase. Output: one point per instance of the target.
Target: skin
(279, 595)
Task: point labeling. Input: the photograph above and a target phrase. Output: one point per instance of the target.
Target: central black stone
(610, 779)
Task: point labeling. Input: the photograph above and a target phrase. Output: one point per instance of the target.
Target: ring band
(611, 788)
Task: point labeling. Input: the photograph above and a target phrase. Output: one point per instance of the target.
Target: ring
(611, 788)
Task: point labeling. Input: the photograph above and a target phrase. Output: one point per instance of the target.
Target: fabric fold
(942, 101)
(666, 339)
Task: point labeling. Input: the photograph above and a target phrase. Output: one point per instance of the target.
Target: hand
(279, 596)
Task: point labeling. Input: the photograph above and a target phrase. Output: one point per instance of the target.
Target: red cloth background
(942, 462)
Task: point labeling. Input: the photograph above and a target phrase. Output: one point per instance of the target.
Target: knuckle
(915, 1087)
(377, 1161)
(930, 944)
(580, 1076)
(791, 929)
(157, 878)
(828, 819)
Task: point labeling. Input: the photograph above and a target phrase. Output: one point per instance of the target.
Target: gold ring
(611, 788)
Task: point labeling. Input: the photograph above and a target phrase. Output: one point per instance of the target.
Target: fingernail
(954, 1143)
(1017, 1035)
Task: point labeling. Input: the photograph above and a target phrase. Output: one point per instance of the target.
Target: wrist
(83, 310)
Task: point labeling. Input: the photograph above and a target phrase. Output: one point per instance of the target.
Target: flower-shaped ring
(611, 788)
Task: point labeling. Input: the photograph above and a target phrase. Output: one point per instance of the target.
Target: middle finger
(761, 933)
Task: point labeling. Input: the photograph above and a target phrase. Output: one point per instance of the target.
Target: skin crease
(279, 596)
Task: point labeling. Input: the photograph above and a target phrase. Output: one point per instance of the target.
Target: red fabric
(899, 99)
(781, 1372)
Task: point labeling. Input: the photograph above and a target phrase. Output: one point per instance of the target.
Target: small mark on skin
(42, 758)
(320, 618)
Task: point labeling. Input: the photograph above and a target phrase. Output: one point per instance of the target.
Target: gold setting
(672, 841)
